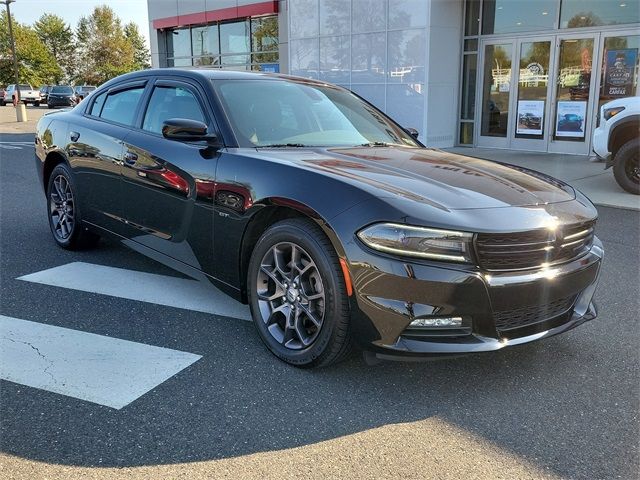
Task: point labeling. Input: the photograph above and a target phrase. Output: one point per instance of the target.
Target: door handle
(130, 158)
(74, 136)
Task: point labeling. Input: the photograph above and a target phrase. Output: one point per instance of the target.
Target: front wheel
(297, 295)
(36, 104)
(626, 166)
(65, 220)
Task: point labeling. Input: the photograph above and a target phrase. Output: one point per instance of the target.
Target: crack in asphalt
(46, 370)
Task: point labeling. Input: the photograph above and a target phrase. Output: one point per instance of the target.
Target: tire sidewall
(619, 168)
(290, 232)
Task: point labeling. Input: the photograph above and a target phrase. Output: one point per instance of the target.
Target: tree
(57, 36)
(103, 50)
(35, 64)
(140, 51)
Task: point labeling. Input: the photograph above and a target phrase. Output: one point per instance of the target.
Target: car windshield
(276, 113)
(62, 89)
(87, 89)
(24, 86)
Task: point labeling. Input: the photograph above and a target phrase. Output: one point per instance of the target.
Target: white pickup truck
(27, 95)
(617, 140)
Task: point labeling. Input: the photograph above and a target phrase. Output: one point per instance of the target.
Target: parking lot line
(200, 296)
(103, 370)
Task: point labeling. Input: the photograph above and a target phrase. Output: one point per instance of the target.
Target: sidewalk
(590, 178)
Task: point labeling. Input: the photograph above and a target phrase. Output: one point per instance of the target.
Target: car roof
(212, 74)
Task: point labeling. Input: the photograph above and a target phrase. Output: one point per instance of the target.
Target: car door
(95, 151)
(168, 184)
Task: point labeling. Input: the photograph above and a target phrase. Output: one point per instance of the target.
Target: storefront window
(620, 67)
(594, 13)
(573, 83)
(496, 88)
(471, 18)
(234, 38)
(264, 39)
(468, 103)
(179, 43)
(205, 45)
(506, 16)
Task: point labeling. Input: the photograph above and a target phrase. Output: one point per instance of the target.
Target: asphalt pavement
(565, 407)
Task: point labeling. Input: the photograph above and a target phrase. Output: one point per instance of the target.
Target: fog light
(452, 322)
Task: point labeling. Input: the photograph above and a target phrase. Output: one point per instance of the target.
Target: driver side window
(171, 102)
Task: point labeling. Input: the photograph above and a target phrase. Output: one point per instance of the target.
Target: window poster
(571, 118)
(530, 117)
(620, 72)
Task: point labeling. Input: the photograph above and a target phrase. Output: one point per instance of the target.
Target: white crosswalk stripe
(200, 296)
(103, 370)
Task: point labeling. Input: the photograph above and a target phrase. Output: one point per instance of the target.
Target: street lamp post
(21, 111)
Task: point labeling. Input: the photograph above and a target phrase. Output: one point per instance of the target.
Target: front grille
(524, 316)
(532, 249)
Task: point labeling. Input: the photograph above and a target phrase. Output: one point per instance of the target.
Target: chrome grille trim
(533, 249)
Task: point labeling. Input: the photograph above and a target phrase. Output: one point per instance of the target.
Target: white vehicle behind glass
(27, 95)
(617, 141)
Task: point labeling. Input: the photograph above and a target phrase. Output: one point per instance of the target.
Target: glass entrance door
(574, 94)
(530, 128)
(496, 94)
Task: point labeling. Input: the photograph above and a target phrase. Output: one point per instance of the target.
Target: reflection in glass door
(530, 131)
(496, 88)
(573, 94)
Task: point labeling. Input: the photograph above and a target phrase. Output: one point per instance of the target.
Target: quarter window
(171, 102)
(96, 108)
(121, 106)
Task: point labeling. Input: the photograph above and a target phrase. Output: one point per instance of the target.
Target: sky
(28, 11)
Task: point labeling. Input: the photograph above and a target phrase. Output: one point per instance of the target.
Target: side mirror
(413, 132)
(183, 129)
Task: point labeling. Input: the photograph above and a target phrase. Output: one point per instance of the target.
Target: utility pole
(21, 111)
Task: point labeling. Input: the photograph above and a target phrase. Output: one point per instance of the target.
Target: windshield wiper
(283, 145)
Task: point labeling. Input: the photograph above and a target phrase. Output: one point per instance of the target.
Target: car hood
(442, 179)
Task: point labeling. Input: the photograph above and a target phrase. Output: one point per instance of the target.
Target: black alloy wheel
(626, 167)
(297, 295)
(61, 208)
(290, 295)
(64, 212)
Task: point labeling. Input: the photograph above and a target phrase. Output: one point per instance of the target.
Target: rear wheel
(298, 296)
(65, 219)
(626, 166)
(36, 104)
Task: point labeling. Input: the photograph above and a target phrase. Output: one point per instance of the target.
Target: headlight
(612, 112)
(419, 242)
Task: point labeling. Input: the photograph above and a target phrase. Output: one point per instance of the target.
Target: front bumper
(60, 102)
(394, 293)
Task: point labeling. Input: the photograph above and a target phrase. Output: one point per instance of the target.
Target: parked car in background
(82, 91)
(617, 140)
(44, 92)
(415, 252)
(27, 95)
(61, 96)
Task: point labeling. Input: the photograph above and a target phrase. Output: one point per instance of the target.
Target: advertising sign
(530, 117)
(620, 72)
(570, 119)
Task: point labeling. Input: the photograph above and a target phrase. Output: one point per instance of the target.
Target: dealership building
(518, 74)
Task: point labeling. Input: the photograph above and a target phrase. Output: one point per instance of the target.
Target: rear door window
(121, 106)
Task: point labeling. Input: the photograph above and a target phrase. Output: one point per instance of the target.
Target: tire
(2, 103)
(314, 302)
(64, 213)
(50, 106)
(36, 104)
(626, 166)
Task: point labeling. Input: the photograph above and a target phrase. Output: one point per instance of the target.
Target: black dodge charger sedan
(331, 220)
